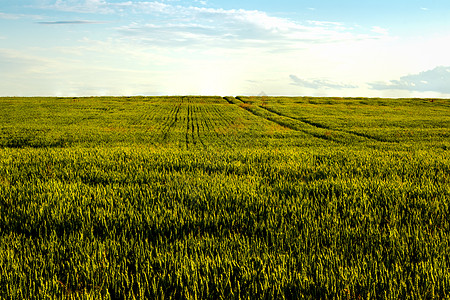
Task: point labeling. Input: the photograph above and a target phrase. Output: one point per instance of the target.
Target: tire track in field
(193, 121)
(207, 126)
(204, 121)
(223, 124)
(166, 119)
(321, 126)
(148, 119)
(148, 123)
(219, 122)
(318, 126)
(172, 123)
(279, 122)
(213, 125)
(205, 129)
(195, 131)
(222, 116)
(188, 120)
(200, 111)
(192, 129)
(192, 125)
(162, 123)
(229, 100)
(198, 127)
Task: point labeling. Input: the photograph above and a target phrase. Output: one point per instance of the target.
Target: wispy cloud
(6, 16)
(319, 83)
(436, 80)
(70, 22)
(68, 76)
(204, 26)
(380, 30)
(20, 62)
(202, 2)
(104, 7)
(239, 28)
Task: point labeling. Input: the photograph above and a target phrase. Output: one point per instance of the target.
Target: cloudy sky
(374, 48)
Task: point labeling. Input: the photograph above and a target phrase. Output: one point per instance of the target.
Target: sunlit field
(224, 198)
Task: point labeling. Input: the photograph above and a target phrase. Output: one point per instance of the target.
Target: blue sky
(381, 48)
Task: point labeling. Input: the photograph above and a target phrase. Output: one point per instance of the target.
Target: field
(224, 198)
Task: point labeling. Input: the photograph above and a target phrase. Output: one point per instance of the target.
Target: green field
(224, 198)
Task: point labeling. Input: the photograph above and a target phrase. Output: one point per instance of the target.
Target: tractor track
(321, 126)
(305, 122)
(197, 126)
(171, 123)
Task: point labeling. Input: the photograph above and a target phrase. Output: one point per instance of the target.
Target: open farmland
(224, 198)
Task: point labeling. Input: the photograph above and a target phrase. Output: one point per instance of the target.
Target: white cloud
(6, 16)
(207, 27)
(325, 23)
(104, 7)
(83, 6)
(202, 26)
(435, 80)
(319, 83)
(20, 62)
(201, 2)
(34, 74)
(380, 30)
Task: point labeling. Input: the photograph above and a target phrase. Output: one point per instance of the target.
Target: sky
(347, 48)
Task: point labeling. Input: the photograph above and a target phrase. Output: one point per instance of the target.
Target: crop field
(224, 198)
